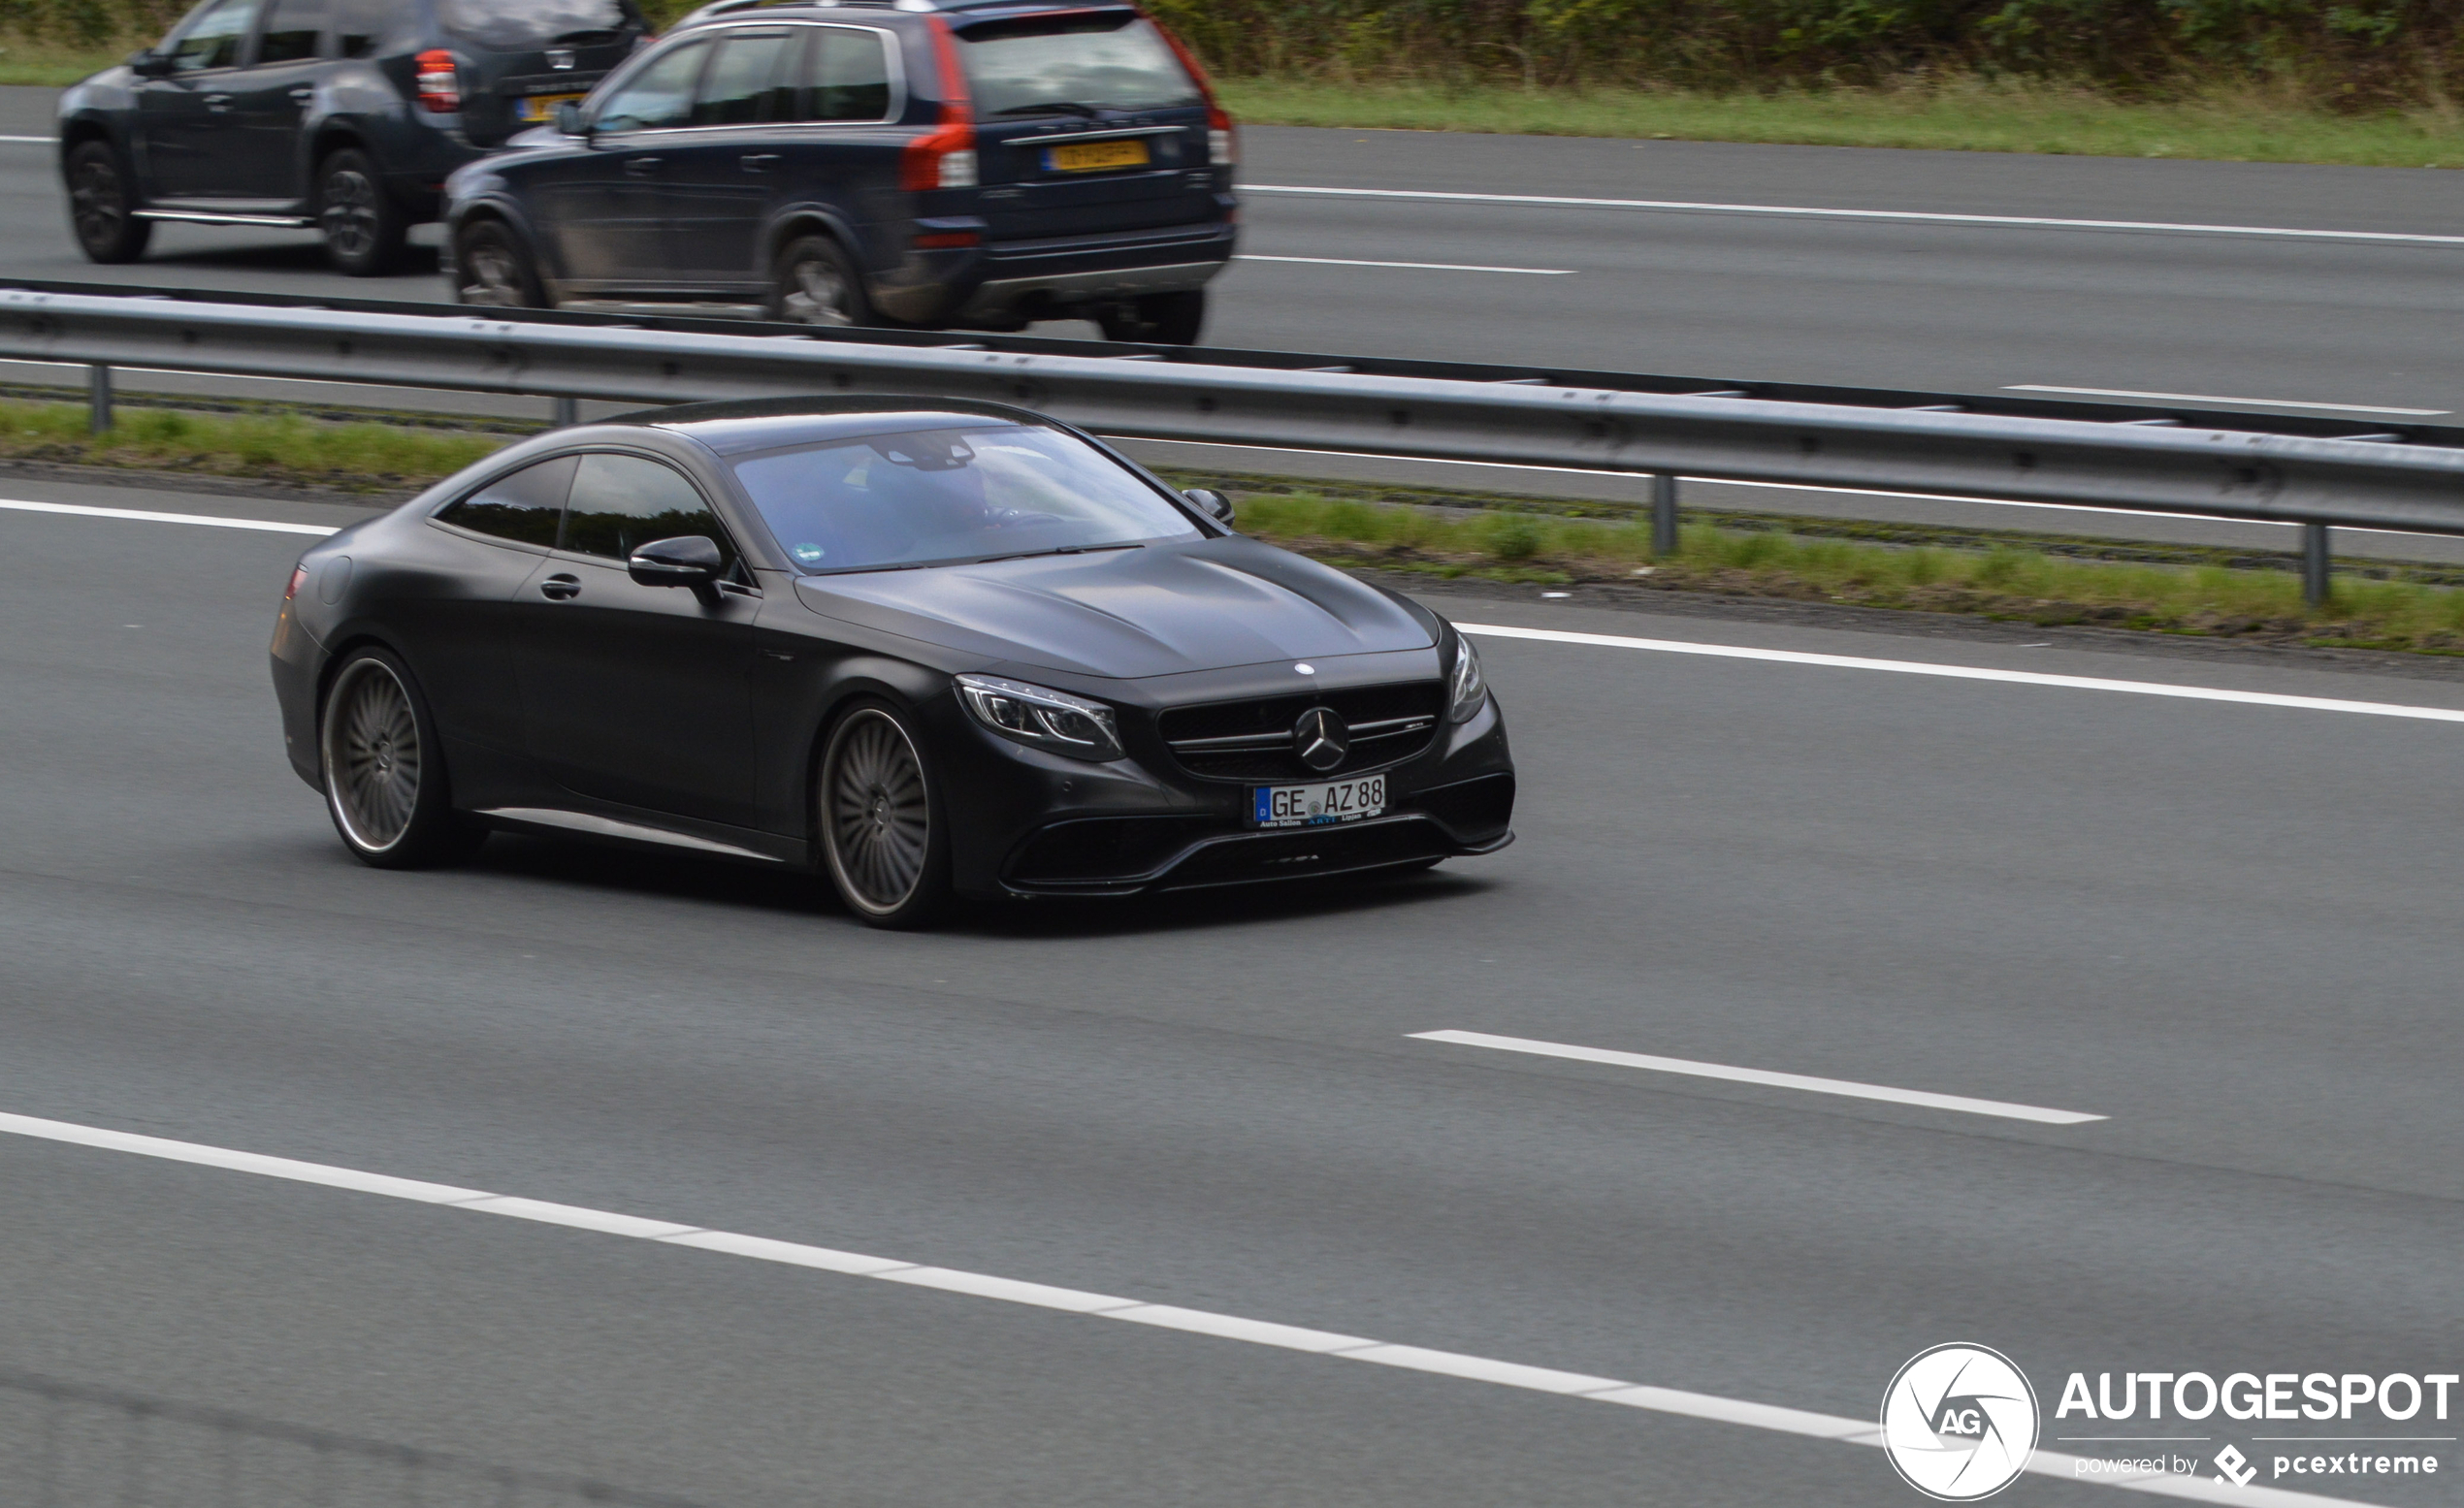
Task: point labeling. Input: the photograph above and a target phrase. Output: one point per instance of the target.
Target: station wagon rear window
(1073, 65)
(517, 25)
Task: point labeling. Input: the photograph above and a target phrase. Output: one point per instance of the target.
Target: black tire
(365, 228)
(876, 807)
(1157, 319)
(494, 270)
(384, 769)
(103, 204)
(815, 282)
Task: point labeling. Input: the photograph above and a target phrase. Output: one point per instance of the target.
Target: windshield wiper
(1029, 555)
(1052, 108)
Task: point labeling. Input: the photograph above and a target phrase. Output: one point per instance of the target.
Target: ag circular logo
(1959, 1423)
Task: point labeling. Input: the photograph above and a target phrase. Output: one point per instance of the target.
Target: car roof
(973, 10)
(732, 429)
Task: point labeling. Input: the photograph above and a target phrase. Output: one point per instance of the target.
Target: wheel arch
(904, 686)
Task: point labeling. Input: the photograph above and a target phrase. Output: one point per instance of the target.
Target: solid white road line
(1348, 1348)
(1425, 267)
(1810, 211)
(44, 140)
(1916, 667)
(1755, 1076)
(143, 516)
(2210, 398)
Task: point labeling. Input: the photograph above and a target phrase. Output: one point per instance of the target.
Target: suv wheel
(101, 206)
(491, 268)
(364, 228)
(816, 283)
(1157, 319)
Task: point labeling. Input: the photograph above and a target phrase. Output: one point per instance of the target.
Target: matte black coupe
(930, 650)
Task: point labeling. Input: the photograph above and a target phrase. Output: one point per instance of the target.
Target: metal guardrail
(70, 1445)
(2318, 480)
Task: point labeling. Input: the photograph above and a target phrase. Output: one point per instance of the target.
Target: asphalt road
(2228, 928)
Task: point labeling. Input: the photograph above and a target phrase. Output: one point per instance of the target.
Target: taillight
(1223, 141)
(944, 157)
(299, 579)
(439, 84)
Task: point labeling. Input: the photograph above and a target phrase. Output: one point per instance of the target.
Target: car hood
(1161, 610)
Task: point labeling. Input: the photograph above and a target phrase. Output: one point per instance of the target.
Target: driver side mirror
(569, 118)
(1214, 504)
(690, 561)
(146, 63)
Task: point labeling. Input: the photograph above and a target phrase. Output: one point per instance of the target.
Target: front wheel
(883, 833)
(492, 270)
(816, 283)
(103, 205)
(365, 229)
(385, 772)
(1157, 318)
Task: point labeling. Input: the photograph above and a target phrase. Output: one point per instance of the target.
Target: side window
(660, 95)
(213, 38)
(292, 30)
(360, 26)
(621, 504)
(523, 506)
(740, 89)
(846, 76)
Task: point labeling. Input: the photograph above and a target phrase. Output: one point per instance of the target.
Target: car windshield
(515, 25)
(1097, 62)
(942, 496)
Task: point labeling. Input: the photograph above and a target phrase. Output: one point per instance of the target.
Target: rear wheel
(365, 229)
(882, 831)
(492, 270)
(385, 772)
(816, 283)
(1157, 318)
(103, 204)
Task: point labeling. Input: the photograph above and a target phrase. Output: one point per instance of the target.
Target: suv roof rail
(739, 6)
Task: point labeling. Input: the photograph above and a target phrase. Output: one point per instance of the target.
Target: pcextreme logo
(1959, 1423)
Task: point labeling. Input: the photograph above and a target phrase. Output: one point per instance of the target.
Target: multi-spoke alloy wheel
(364, 228)
(384, 781)
(100, 211)
(494, 271)
(817, 284)
(877, 820)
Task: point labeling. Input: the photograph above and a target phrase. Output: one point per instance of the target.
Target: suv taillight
(944, 157)
(439, 83)
(1223, 141)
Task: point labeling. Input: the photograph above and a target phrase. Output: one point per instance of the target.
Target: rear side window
(749, 82)
(658, 96)
(1043, 64)
(519, 26)
(213, 40)
(360, 26)
(292, 30)
(522, 507)
(847, 77)
(620, 504)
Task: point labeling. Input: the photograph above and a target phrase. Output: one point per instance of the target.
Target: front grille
(1253, 740)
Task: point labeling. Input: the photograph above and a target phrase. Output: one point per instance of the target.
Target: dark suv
(341, 116)
(933, 163)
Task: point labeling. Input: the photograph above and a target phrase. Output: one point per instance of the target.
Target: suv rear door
(272, 94)
(721, 173)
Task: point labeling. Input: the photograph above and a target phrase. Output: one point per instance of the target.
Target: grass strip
(365, 454)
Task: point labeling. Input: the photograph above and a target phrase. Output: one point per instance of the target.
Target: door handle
(301, 93)
(642, 167)
(561, 588)
(217, 103)
(759, 162)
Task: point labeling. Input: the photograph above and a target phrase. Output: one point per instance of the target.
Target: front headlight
(1469, 687)
(1040, 717)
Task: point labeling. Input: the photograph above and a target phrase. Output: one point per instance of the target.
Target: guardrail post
(98, 398)
(1664, 515)
(2314, 585)
(568, 412)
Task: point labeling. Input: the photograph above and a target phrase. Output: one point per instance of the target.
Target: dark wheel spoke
(372, 756)
(876, 817)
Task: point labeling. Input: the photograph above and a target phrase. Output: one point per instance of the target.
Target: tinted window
(621, 504)
(522, 507)
(659, 95)
(292, 30)
(846, 77)
(213, 40)
(948, 495)
(516, 26)
(360, 26)
(745, 81)
(1116, 62)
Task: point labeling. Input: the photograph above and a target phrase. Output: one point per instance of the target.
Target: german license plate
(1313, 806)
(1089, 157)
(543, 107)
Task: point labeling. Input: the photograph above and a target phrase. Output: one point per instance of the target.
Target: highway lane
(1947, 307)
(2228, 928)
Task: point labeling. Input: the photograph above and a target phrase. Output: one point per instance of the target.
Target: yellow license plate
(1088, 156)
(543, 107)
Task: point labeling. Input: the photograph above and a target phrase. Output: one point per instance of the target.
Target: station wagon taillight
(1223, 141)
(944, 157)
(439, 83)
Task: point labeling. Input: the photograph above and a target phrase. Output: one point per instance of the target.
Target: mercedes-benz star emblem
(1320, 739)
